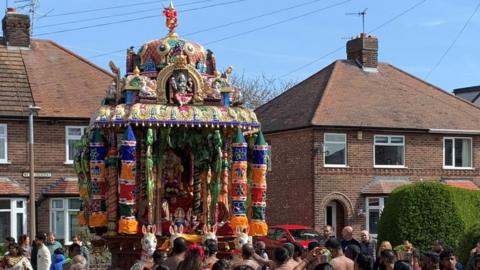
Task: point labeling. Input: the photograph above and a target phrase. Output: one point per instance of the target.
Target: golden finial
(171, 6)
(171, 17)
(136, 71)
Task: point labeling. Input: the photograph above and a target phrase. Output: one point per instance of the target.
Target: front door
(331, 216)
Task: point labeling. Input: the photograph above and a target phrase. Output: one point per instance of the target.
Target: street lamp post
(32, 110)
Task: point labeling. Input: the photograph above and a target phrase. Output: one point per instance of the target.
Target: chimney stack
(16, 29)
(363, 50)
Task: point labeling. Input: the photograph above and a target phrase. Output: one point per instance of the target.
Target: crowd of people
(44, 253)
(328, 253)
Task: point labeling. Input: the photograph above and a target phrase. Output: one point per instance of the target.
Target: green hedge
(468, 241)
(426, 211)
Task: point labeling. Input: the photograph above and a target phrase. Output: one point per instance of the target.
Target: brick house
(345, 137)
(67, 88)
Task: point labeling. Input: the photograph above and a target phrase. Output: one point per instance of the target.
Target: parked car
(280, 234)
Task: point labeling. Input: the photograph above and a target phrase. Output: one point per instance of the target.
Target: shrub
(426, 211)
(468, 241)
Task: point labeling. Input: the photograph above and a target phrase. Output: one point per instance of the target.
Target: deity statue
(181, 88)
(172, 174)
(147, 90)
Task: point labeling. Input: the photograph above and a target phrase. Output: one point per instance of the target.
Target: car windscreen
(304, 234)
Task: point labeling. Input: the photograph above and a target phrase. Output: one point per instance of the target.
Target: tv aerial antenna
(361, 13)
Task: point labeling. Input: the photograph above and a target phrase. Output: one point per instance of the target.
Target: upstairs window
(457, 153)
(389, 151)
(3, 144)
(335, 150)
(73, 135)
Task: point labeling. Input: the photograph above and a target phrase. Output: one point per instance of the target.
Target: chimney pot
(364, 50)
(16, 29)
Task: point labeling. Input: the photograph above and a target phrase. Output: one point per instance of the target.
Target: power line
(251, 18)
(116, 15)
(136, 19)
(343, 46)
(457, 37)
(277, 23)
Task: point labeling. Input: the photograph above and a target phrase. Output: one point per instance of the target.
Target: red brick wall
(290, 178)
(423, 160)
(49, 157)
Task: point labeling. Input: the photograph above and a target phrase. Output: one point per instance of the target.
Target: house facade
(67, 88)
(345, 137)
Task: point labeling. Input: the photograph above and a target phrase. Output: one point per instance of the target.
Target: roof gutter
(453, 131)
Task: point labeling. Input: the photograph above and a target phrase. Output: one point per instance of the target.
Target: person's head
(431, 261)
(24, 240)
(40, 238)
(159, 257)
(211, 247)
(352, 252)
(221, 264)
(334, 246)
(298, 250)
(79, 260)
(327, 231)
(14, 249)
(9, 240)
(179, 245)
(324, 266)
(347, 233)
(385, 245)
(402, 265)
(50, 238)
(77, 240)
(290, 248)
(448, 259)
(387, 258)
(280, 255)
(438, 246)
(364, 236)
(260, 247)
(58, 251)
(247, 251)
(193, 258)
(74, 250)
(312, 245)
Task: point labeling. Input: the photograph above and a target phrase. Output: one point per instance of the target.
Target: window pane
(74, 204)
(2, 148)
(373, 201)
(19, 204)
(74, 227)
(59, 225)
(381, 139)
(448, 152)
(388, 155)
(19, 225)
(396, 139)
(463, 150)
(335, 153)
(329, 215)
(74, 132)
(4, 204)
(2, 131)
(334, 137)
(4, 225)
(57, 204)
(373, 218)
(71, 148)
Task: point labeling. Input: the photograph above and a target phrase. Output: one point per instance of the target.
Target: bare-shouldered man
(339, 261)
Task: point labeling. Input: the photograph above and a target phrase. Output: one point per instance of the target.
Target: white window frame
(381, 205)
(389, 144)
(14, 210)
(5, 160)
(453, 167)
(324, 152)
(66, 220)
(71, 137)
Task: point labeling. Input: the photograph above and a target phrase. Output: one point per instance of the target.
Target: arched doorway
(335, 217)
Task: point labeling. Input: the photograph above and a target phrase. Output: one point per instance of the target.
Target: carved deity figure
(172, 174)
(181, 88)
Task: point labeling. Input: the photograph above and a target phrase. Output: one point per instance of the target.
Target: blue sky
(413, 42)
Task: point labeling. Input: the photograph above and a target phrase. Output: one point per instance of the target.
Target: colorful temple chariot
(171, 147)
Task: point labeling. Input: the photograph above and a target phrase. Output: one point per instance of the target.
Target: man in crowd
(339, 261)
(368, 246)
(326, 234)
(52, 244)
(83, 249)
(448, 260)
(260, 250)
(178, 253)
(247, 257)
(44, 257)
(347, 235)
(431, 261)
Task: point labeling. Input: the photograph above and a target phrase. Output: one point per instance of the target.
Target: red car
(280, 234)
